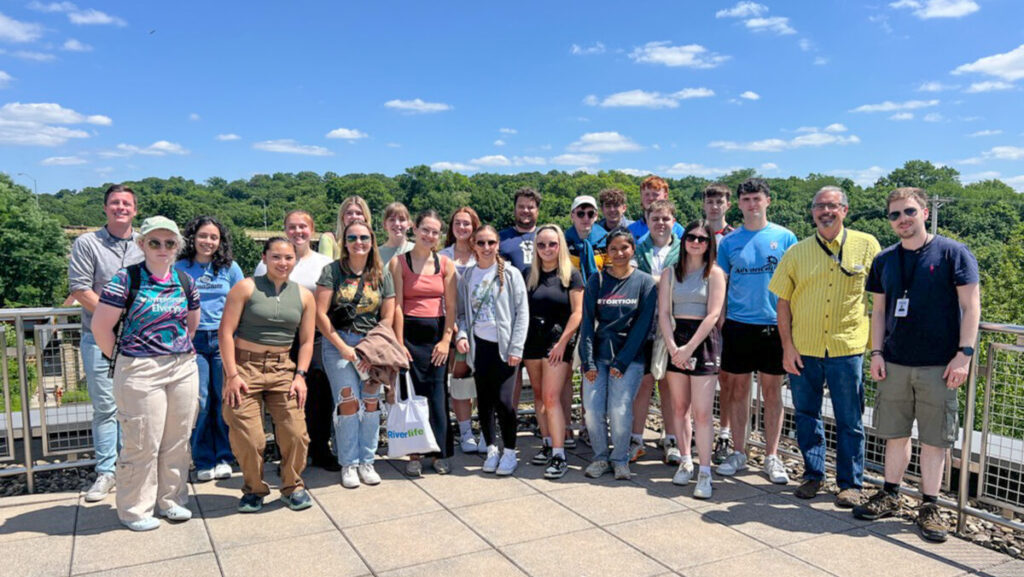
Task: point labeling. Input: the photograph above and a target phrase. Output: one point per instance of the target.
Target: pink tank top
(423, 294)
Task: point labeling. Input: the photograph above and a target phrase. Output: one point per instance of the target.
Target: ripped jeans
(356, 434)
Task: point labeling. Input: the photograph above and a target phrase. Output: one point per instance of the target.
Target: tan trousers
(269, 376)
(157, 399)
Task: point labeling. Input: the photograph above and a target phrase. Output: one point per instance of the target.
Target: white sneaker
(733, 464)
(508, 464)
(368, 474)
(176, 513)
(205, 475)
(100, 488)
(491, 462)
(683, 474)
(622, 472)
(775, 470)
(703, 488)
(222, 471)
(672, 454)
(481, 445)
(350, 476)
(597, 468)
(469, 444)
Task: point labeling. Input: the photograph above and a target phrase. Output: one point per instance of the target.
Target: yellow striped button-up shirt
(828, 307)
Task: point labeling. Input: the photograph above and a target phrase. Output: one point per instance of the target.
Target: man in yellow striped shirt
(823, 325)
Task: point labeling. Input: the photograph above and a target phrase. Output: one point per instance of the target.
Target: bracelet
(875, 353)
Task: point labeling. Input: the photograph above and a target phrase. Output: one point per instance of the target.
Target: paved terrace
(467, 523)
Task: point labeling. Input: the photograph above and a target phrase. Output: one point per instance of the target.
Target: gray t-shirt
(389, 252)
(95, 259)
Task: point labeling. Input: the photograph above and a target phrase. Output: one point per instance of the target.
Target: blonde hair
(564, 266)
(339, 228)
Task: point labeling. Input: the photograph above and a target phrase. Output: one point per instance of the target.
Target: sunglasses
(547, 245)
(585, 214)
(483, 243)
(155, 244)
(357, 238)
(697, 238)
(895, 215)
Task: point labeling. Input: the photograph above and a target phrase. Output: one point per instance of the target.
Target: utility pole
(937, 202)
(35, 188)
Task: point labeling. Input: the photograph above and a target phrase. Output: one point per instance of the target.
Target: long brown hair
(474, 219)
(373, 272)
(710, 255)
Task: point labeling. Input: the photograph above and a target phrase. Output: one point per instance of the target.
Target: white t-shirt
(483, 291)
(658, 259)
(306, 272)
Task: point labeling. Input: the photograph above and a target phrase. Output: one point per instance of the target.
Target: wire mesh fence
(62, 395)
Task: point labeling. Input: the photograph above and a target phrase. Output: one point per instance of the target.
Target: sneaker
(222, 471)
(849, 498)
(414, 468)
(584, 437)
(570, 440)
(683, 474)
(880, 505)
(491, 462)
(808, 489)
(597, 468)
(557, 467)
(350, 476)
(176, 513)
(672, 455)
(636, 449)
(298, 500)
(542, 457)
(468, 444)
(143, 524)
(442, 466)
(367, 474)
(929, 522)
(733, 464)
(723, 448)
(703, 488)
(509, 462)
(250, 503)
(204, 475)
(101, 488)
(775, 470)
(622, 472)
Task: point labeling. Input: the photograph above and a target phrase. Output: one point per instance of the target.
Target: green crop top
(270, 318)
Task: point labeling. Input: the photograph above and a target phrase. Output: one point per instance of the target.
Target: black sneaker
(250, 503)
(556, 467)
(298, 500)
(929, 522)
(723, 448)
(542, 457)
(880, 505)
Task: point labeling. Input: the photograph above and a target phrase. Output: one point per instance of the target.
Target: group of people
(182, 352)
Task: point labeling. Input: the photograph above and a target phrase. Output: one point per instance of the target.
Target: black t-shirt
(550, 300)
(929, 335)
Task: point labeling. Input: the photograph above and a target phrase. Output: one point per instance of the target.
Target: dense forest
(988, 216)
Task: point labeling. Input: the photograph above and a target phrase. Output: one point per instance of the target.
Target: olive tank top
(270, 318)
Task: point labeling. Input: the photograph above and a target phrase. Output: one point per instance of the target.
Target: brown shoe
(808, 489)
(929, 522)
(849, 498)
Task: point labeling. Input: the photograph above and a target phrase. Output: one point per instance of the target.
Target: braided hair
(497, 255)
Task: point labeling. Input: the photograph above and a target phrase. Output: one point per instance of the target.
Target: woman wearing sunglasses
(156, 382)
(353, 295)
(691, 298)
(493, 320)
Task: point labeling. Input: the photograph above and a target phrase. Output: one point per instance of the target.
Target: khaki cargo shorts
(909, 393)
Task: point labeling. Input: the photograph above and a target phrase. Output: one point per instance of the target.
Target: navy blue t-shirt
(929, 335)
(517, 248)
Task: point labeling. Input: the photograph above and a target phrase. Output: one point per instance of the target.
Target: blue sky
(94, 92)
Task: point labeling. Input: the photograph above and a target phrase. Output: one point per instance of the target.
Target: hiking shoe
(468, 444)
(622, 472)
(204, 475)
(143, 524)
(636, 449)
(101, 488)
(414, 468)
(880, 505)
(350, 476)
(735, 463)
(250, 503)
(491, 462)
(222, 471)
(849, 498)
(723, 448)
(683, 474)
(597, 468)
(929, 522)
(367, 474)
(176, 513)
(672, 455)
(542, 457)
(442, 466)
(508, 463)
(703, 488)
(808, 489)
(298, 500)
(775, 470)
(557, 467)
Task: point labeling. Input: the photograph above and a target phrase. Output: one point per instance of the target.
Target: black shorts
(541, 338)
(748, 348)
(708, 354)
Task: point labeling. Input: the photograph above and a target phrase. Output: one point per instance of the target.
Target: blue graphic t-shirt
(517, 248)
(750, 258)
(213, 289)
(156, 324)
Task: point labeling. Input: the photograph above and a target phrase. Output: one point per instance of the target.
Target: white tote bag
(409, 430)
(659, 356)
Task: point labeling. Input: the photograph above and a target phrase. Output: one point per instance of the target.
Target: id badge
(902, 307)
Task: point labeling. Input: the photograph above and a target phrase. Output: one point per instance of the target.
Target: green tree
(33, 251)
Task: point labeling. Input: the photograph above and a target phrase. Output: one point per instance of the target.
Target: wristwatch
(967, 351)
(302, 373)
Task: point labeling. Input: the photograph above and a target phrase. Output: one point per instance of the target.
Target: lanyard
(907, 282)
(836, 259)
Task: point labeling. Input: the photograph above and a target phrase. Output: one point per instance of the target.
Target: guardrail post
(966, 456)
(26, 400)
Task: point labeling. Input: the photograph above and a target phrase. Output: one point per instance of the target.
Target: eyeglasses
(483, 243)
(547, 245)
(697, 238)
(895, 215)
(827, 206)
(357, 238)
(585, 214)
(155, 244)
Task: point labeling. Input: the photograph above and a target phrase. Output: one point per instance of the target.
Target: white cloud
(604, 142)
(417, 106)
(1005, 153)
(194, 117)
(5, 79)
(767, 166)
(63, 161)
(289, 146)
(988, 86)
(863, 177)
(228, 137)
(499, 142)
(766, 145)
(687, 56)
(492, 160)
(777, 24)
(595, 48)
(72, 45)
(820, 61)
(835, 127)
(936, 87)
(347, 134)
(51, 7)
(48, 113)
(644, 99)
(902, 116)
(743, 10)
(686, 168)
(1017, 182)
(94, 17)
(750, 95)
(688, 93)
(158, 148)
(34, 56)
(926, 9)
(508, 130)
(24, 133)
(1008, 66)
(453, 166)
(985, 133)
(575, 159)
(633, 171)
(805, 44)
(810, 137)
(889, 106)
(528, 160)
(986, 175)
(12, 30)
(933, 117)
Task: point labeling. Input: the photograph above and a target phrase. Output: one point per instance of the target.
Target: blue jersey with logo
(750, 258)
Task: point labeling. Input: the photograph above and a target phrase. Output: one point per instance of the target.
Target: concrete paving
(469, 523)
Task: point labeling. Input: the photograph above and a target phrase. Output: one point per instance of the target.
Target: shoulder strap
(408, 262)
(134, 281)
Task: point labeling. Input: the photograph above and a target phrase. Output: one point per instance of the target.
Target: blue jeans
(356, 435)
(210, 445)
(106, 432)
(844, 376)
(612, 399)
